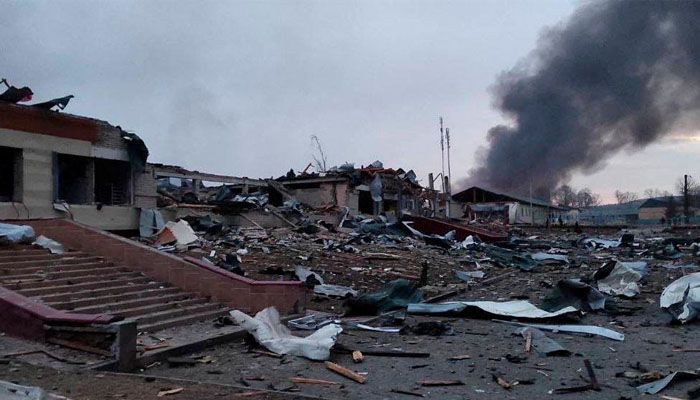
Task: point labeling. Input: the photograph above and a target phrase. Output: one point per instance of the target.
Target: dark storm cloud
(619, 74)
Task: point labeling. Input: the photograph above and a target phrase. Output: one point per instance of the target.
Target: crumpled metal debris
(469, 276)
(513, 309)
(150, 222)
(682, 298)
(510, 258)
(12, 391)
(657, 386)
(587, 329)
(540, 342)
(269, 332)
(396, 294)
(306, 275)
(574, 293)
(599, 243)
(311, 322)
(619, 278)
(53, 246)
(548, 258)
(335, 290)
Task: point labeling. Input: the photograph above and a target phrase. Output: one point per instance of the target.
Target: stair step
(110, 307)
(89, 269)
(67, 288)
(125, 296)
(13, 265)
(53, 268)
(61, 297)
(155, 308)
(18, 252)
(38, 257)
(174, 313)
(188, 319)
(74, 280)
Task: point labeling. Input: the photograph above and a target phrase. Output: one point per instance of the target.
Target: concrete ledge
(24, 317)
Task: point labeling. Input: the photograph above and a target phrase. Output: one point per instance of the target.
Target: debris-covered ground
(427, 315)
(613, 279)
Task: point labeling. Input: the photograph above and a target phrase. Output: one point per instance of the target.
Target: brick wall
(32, 119)
(222, 286)
(110, 137)
(145, 189)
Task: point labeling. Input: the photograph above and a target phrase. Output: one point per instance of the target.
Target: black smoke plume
(618, 75)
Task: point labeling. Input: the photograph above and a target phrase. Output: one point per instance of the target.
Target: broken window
(10, 177)
(365, 204)
(74, 177)
(112, 182)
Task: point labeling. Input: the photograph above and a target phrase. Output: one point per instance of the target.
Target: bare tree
(564, 195)
(625, 197)
(671, 208)
(656, 193)
(319, 159)
(586, 198)
(689, 189)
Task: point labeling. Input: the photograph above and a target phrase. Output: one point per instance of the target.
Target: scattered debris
(514, 309)
(682, 298)
(357, 356)
(430, 328)
(53, 246)
(271, 334)
(169, 392)
(587, 329)
(396, 294)
(544, 345)
(16, 234)
(576, 294)
(310, 381)
(345, 372)
(661, 384)
(620, 278)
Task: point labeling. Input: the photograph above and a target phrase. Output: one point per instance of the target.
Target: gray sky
(239, 87)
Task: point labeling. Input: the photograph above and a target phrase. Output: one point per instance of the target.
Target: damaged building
(57, 164)
(479, 203)
(369, 190)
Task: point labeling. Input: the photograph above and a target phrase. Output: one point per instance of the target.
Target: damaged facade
(56, 164)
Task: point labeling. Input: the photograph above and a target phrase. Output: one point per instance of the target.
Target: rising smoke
(619, 75)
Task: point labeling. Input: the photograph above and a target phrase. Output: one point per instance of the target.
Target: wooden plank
(345, 372)
(311, 381)
(79, 346)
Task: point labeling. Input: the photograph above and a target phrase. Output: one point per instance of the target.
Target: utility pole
(442, 154)
(447, 136)
(448, 178)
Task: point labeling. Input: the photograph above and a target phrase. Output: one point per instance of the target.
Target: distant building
(638, 212)
(484, 203)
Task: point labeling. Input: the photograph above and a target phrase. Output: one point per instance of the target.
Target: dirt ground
(92, 385)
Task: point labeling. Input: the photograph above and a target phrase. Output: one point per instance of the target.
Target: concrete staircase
(83, 283)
